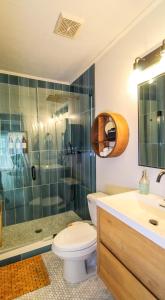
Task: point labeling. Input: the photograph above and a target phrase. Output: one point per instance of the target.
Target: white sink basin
(136, 210)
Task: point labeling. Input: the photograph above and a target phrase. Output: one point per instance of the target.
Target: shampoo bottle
(144, 183)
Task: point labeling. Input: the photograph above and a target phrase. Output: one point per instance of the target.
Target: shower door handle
(33, 170)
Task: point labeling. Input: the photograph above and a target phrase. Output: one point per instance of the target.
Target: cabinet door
(142, 257)
(119, 280)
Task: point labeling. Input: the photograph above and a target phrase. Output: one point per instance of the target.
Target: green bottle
(144, 183)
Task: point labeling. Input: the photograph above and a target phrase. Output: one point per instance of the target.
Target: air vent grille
(67, 26)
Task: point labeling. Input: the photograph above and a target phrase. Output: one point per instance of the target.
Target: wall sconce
(137, 63)
(151, 58)
(162, 51)
(147, 67)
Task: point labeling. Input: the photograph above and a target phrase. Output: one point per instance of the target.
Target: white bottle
(11, 145)
(18, 145)
(144, 183)
(24, 145)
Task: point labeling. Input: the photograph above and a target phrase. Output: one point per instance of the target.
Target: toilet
(76, 245)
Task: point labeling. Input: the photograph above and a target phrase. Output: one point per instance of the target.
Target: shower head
(62, 97)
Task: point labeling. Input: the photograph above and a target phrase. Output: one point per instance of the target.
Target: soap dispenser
(144, 183)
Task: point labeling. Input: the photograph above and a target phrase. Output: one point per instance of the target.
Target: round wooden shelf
(115, 142)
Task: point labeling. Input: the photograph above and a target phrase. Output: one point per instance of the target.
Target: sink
(136, 210)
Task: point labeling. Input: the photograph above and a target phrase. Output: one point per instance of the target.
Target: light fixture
(136, 64)
(151, 58)
(135, 76)
(146, 68)
(162, 51)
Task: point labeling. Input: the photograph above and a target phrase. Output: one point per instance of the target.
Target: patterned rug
(22, 277)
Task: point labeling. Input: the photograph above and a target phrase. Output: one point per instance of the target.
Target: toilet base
(76, 271)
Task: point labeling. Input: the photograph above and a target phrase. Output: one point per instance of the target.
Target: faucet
(161, 173)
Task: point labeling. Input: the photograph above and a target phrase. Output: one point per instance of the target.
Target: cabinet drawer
(142, 257)
(122, 284)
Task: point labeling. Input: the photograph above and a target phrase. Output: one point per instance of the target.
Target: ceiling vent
(67, 26)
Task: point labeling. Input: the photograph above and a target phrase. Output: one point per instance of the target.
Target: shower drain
(38, 230)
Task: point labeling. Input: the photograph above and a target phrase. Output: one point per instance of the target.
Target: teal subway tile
(18, 173)
(45, 194)
(3, 218)
(28, 211)
(28, 195)
(35, 252)
(10, 260)
(19, 197)
(5, 126)
(7, 180)
(13, 79)
(10, 217)
(50, 85)
(36, 202)
(5, 116)
(4, 78)
(23, 81)
(19, 214)
(41, 84)
(58, 86)
(9, 199)
(66, 88)
(27, 177)
(33, 83)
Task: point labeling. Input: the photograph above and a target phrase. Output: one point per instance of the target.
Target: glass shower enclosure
(47, 166)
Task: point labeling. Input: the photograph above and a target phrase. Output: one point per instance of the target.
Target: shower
(46, 161)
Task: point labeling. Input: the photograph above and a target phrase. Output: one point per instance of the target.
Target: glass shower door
(52, 162)
(18, 145)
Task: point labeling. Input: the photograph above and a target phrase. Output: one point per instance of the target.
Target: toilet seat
(75, 238)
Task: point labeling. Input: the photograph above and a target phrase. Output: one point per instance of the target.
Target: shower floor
(23, 234)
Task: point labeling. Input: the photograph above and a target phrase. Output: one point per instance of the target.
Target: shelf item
(17, 142)
(109, 134)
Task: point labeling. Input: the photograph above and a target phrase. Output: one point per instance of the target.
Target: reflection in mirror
(110, 130)
(110, 136)
(151, 96)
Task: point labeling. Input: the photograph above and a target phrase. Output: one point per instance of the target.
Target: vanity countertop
(135, 210)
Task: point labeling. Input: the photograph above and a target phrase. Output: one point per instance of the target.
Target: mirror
(151, 119)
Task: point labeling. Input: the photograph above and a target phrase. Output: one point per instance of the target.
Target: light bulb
(134, 79)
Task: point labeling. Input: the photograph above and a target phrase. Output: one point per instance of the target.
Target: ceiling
(29, 46)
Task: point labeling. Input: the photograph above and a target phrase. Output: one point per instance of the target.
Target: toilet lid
(76, 237)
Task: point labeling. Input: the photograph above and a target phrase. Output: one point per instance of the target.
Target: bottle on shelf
(144, 183)
(11, 145)
(18, 145)
(24, 145)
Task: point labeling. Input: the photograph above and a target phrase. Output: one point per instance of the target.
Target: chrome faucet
(161, 173)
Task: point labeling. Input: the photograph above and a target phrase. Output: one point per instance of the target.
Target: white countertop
(135, 210)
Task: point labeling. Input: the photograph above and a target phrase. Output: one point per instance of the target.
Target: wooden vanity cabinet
(132, 266)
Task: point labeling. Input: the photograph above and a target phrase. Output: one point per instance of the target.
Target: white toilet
(76, 245)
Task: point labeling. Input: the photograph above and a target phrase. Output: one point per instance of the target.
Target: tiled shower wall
(57, 134)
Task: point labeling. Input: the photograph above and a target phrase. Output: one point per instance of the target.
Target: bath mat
(22, 277)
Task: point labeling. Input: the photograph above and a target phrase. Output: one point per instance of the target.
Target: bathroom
(48, 102)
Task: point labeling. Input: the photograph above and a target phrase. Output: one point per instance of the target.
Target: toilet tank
(92, 205)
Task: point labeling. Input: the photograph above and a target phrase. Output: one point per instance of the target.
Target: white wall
(112, 74)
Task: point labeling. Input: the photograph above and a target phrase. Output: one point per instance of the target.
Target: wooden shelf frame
(99, 138)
